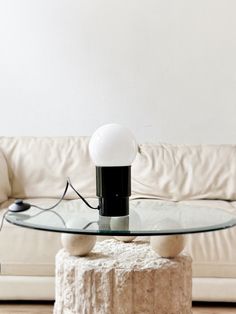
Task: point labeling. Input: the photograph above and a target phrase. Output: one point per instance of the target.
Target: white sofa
(35, 169)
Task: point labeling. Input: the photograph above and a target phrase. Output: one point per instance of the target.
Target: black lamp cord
(68, 184)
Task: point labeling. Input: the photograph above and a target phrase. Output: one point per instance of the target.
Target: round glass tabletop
(147, 217)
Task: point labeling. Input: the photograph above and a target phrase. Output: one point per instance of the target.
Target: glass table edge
(229, 224)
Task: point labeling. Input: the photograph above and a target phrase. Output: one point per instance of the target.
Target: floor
(26, 308)
(47, 308)
(213, 308)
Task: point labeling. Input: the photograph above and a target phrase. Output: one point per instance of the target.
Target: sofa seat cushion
(32, 252)
(25, 251)
(213, 253)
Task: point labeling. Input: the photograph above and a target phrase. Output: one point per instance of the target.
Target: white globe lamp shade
(112, 145)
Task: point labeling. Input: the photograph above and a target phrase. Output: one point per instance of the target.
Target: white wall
(166, 69)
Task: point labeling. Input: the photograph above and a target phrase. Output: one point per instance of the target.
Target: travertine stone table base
(122, 278)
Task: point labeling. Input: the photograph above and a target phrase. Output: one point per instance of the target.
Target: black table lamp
(113, 148)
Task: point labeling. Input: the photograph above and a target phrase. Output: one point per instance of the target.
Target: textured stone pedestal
(122, 278)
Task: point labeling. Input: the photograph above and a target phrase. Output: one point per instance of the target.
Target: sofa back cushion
(5, 187)
(179, 172)
(39, 167)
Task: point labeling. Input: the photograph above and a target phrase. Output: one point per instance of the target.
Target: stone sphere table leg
(122, 278)
(168, 246)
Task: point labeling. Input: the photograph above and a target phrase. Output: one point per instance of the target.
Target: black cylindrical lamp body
(113, 190)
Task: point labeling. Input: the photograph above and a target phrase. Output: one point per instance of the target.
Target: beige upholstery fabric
(213, 253)
(27, 288)
(179, 172)
(43, 288)
(39, 167)
(214, 289)
(27, 252)
(5, 188)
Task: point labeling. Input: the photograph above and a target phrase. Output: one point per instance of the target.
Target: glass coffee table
(147, 218)
(104, 276)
